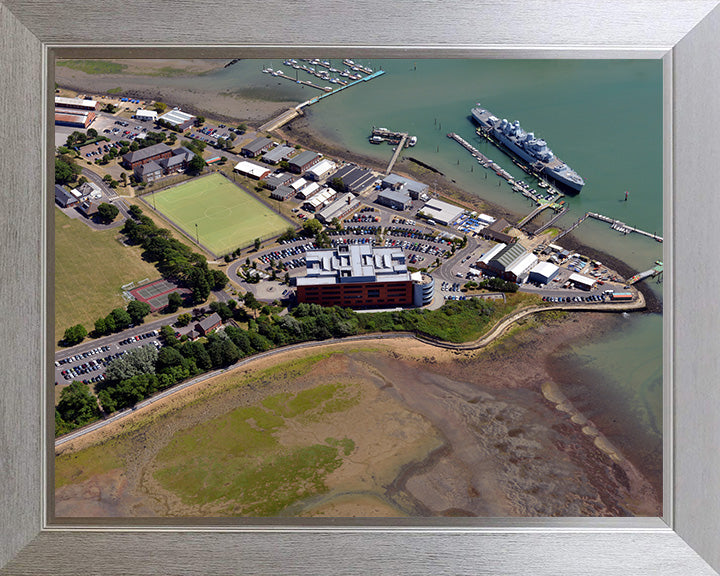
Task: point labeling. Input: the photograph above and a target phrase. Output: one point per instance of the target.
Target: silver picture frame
(683, 33)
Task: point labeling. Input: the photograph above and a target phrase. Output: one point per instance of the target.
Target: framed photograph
(35, 539)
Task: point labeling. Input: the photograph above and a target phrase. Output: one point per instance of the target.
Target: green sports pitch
(226, 216)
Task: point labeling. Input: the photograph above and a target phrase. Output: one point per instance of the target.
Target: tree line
(142, 372)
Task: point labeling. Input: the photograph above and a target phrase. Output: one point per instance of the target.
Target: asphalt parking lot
(89, 365)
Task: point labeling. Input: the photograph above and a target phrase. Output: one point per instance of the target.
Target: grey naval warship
(523, 145)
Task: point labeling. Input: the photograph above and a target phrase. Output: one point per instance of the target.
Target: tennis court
(218, 213)
(156, 293)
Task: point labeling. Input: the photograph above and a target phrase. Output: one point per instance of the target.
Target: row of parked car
(71, 359)
(430, 249)
(356, 230)
(591, 298)
(139, 337)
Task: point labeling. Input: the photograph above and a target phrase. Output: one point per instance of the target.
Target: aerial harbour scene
(352, 288)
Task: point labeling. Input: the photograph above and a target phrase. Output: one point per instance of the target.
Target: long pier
(656, 271)
(574, 225)
(398, 149)
(622, 227)
(551, 221)
(288, 115)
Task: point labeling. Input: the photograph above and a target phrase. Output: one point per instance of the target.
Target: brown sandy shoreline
(505, 447)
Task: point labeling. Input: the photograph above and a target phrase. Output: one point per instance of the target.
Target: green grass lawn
(226, 216)
(90, 268)
(236, 461)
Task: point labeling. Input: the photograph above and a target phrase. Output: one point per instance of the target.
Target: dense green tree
(135, 211)
(312, 227)
(122, 319)
(168, 357)
(135, 361)
(92, 133)
(183, 320)
(100, 327)
(196, 165)
(108, 402)
(77, 405)
(167, 336)
(108, 212)
(197, 352)
(66, 171)
(174, 302)
(137, 311)
(74, 335)
(219, 279)
(257, 243)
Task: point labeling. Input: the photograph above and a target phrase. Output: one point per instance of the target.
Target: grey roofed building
(396, 199)
(277, 154)
(64, 198)
(282, 193)
(144, 153)
(275, 180)
(354, 178)
(495, 231)
(209, 323)
(413, 187)
(304, 160)
(507, 256)
(258, 145)
(339, 208)
(149, 171)
(172, 163)
(180, 150)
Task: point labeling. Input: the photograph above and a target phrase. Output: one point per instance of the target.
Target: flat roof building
(152, 153)
(257, 146)
(356, 276)
(277, 154)
(543, 272)
(304, 161)
(299, 184)
(442, 211)
(354, 178)
(321, 170)
(146, 114)
(582, 281)
(178, 119)
(412, 187)
(252, 170)
(76, 103)
(395, 199)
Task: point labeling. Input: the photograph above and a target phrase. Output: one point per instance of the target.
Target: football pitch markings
(222, 215)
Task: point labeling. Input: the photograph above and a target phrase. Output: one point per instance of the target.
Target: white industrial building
(319, 200)
(339, 208)
(146, 115)
(251, 169)
(582, 281)
(321, 169)
(308, 191)
(442, 212)
(544, 273)
(179, 119)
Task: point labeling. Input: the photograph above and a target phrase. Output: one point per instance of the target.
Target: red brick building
(156, 152)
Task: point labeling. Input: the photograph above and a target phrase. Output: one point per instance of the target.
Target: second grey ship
(525, 146)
